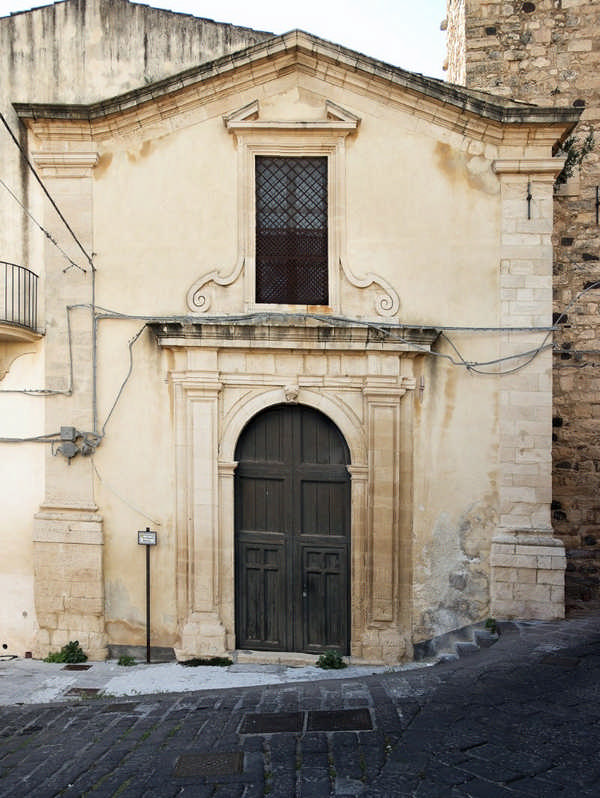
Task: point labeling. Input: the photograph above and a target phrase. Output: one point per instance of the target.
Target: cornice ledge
(198, 301)
(386, 304)
(289, 45)
(530, 166)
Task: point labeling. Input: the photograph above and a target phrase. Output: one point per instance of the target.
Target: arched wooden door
(292, 524)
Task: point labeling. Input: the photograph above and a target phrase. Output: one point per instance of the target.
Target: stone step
(484, 638)
(456, 644)
(466, 649)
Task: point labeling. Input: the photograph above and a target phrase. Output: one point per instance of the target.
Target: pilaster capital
(197, 383)
(358, 473)
(542, 168)
(227, 468)
(65, 164)
(378, 388)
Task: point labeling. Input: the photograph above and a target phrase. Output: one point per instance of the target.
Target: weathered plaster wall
(81, 51)
(548, 52)
(73, 51)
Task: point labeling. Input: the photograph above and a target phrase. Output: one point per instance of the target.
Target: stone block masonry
(527, 577)
(69, 593)
(548, 53)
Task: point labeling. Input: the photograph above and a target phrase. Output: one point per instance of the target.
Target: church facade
(299, 326)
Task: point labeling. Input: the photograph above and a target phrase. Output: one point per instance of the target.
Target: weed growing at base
(71, 653)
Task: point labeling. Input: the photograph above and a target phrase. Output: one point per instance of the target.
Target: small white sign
(147, 538)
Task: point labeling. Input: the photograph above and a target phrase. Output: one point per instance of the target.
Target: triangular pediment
(298, 53)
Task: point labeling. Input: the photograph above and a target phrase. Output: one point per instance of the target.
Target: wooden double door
(292, 523)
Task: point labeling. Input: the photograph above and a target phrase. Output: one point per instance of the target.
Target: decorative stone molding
(209, 419)
(183, 93)
(386, 304)
(291, 394)
(199, 300)
(326, 137)
(246, 118)
(277, 330)
(539, 166)
(65, 164)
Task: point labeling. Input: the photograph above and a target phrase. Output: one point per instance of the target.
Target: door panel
(324, 597)
(261, 504)
(292, 521)
(323, 506)
(261, 590)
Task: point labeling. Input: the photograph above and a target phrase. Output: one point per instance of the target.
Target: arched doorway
(292, 533)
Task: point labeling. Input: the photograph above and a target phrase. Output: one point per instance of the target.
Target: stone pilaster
(68, 535)
(381, 638)
(202, 632)
(527, 562)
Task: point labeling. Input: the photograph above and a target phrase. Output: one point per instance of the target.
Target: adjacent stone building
(295, 319)
(548, 52)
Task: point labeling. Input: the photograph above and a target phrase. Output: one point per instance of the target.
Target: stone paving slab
(518, 719)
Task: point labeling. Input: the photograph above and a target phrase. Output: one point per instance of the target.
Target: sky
(405, 33)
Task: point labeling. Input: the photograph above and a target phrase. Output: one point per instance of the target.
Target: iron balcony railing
(18, 295)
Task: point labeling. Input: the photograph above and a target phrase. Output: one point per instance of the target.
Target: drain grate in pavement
(190, 765)
(83, 691)
(271, 723)
(123, 707)
(340, 720)
(77, 667)
(560, 662)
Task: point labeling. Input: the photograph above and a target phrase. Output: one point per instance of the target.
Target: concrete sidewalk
(29, 681)
(518, 719)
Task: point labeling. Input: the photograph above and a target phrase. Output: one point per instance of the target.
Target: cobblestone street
(518, 719)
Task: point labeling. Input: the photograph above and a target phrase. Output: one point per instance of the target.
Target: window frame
(289, 177)
(291, 150)
(330, 144)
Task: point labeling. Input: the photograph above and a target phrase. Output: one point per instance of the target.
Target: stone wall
(548, 53)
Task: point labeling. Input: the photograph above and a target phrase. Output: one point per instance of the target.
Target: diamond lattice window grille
(291, 231)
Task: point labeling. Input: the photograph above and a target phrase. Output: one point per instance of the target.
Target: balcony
(18, 303)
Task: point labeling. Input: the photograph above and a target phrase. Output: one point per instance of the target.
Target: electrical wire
(390, 331)
(124, 500)
(125, 381)
(330, 319)
(42, 228)
(48, 438)
(46, 192)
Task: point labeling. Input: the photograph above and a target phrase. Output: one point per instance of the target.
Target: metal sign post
(147, 538)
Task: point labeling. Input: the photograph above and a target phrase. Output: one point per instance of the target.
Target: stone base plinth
(527, 576)
(69, 580)
(377, 646)
(203, 635)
